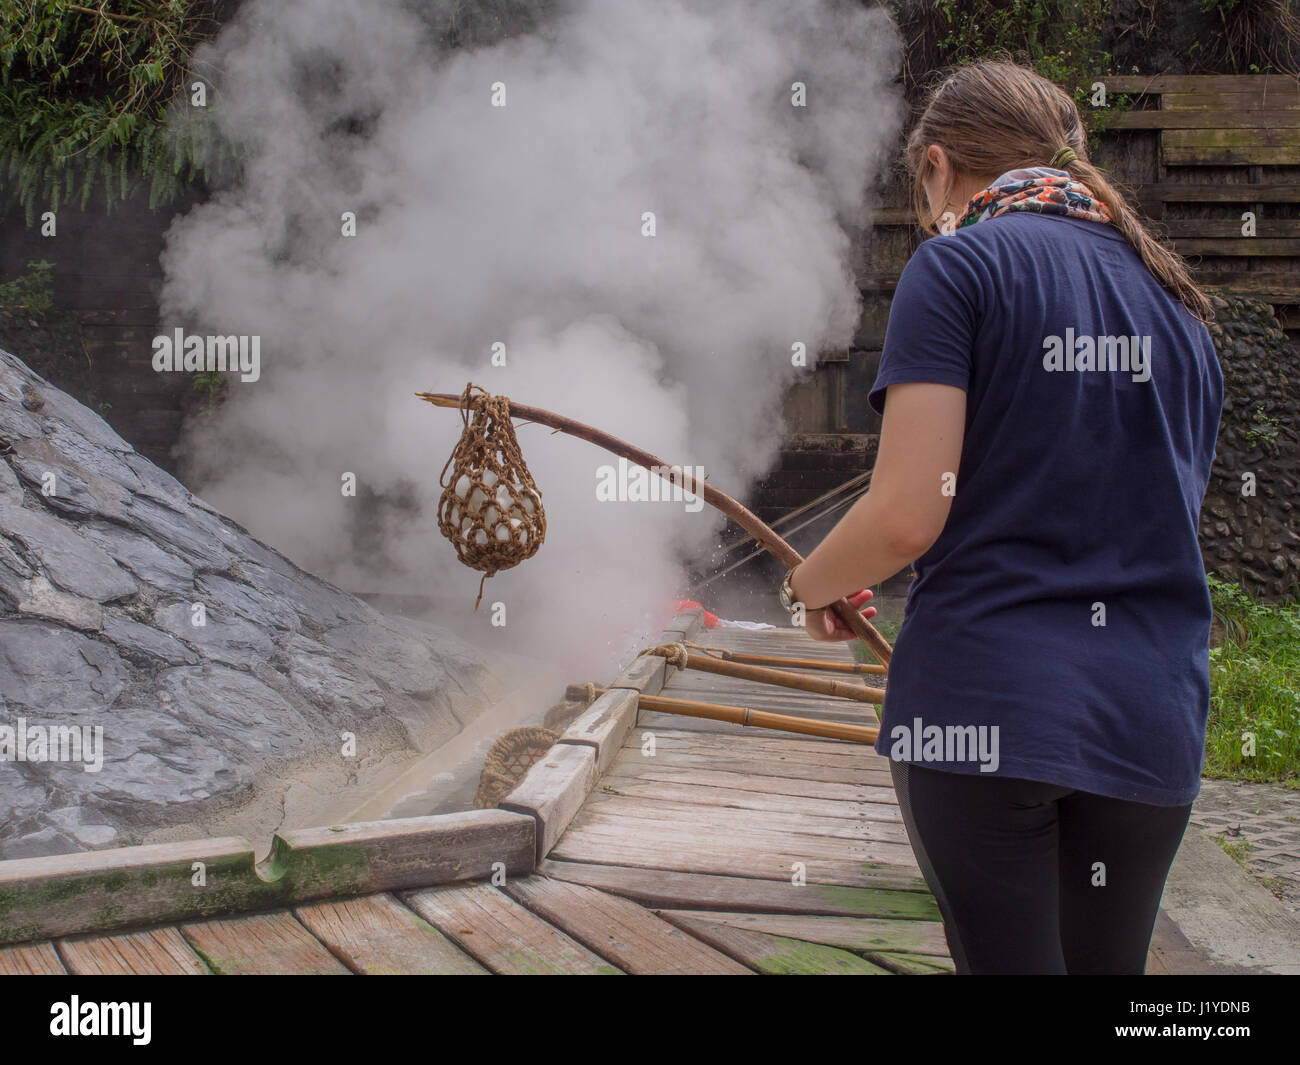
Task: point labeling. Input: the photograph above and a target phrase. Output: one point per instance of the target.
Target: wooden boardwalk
(642, 842)
(701, 847)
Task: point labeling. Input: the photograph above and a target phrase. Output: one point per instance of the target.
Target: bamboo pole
(794, 663)
(743, 715)
(684, 659)
(750, 522)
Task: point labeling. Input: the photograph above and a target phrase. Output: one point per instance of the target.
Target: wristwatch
(787, 592)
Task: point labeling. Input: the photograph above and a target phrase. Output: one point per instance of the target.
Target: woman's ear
(942, 167)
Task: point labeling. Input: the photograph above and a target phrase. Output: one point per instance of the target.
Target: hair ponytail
(997, 116)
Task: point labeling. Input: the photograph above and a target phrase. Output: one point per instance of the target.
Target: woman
(1053, 399)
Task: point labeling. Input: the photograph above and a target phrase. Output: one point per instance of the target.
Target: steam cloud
(522, 224)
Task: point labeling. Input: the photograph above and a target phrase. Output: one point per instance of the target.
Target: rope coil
(508, 760)
(490, 508)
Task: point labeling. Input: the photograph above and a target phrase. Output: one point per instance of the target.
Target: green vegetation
(1254, 689)
(83, 93)
(1262, 430)
(31, 291)
(1061, 39)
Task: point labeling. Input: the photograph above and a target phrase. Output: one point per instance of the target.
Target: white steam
(523, 224)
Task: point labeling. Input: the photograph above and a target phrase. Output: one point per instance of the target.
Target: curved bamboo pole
(746, 519)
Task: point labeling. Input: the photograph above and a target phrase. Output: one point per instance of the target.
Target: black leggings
(1035, 878)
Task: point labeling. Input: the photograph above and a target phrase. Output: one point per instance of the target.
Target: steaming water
(525, 225)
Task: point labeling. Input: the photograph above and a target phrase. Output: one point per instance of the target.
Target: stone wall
(1254, 540)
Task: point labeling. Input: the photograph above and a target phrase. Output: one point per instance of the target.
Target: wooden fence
(1196, 152)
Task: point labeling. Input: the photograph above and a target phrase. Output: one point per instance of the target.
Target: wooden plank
(1229, 147)
(631, 937)
(645, 674)
(1244, 192)
(153, 952)
(263, 944)
(104, 891)
(1237, 101)
(756, 859)
(553, 791)
(851, 933)
(1205, 118)
(1202, 84)
(796, 786)
(505, 936)
(604, 725)
(1252, 246)
(373, 856)
(688, 815)
(1268, 286)
(912, 964)
(734, 798)
(30, 959)
(763, 855)
(377, 936)
(632, 756)
(665, 889)
(763, 744)
(777, 955)
(674, 827)
(1267, 229)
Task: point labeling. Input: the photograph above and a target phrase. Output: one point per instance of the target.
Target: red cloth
(710, 620)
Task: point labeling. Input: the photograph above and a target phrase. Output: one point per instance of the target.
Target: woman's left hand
(826, 625)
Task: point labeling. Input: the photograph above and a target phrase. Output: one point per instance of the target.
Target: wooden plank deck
(703, 847)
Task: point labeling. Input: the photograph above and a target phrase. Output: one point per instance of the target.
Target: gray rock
(40, 599)
(233, 597)
(178, 530)
(136, 638)
(97, 588)
(46, 667)
(226, 638)
(142, 556)
(11, 492)
(70, 561)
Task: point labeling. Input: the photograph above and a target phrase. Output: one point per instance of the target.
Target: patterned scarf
(1038, 188)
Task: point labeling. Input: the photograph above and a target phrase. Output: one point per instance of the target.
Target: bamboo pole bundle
(677, 655)
(793, 663)
(746, 519)
(743, 715)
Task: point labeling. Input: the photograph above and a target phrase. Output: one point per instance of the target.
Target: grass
(1236, 851)
(1254, 727)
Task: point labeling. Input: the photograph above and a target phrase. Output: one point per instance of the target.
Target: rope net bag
(508, 760)
(490, 508)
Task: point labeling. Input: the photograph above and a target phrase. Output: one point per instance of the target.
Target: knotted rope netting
(490, 508)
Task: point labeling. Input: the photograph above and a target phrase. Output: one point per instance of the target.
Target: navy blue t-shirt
(1065, 601)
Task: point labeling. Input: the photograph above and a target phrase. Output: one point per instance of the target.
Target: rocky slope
(218, 671)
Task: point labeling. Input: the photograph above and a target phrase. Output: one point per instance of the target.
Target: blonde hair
(992, 117)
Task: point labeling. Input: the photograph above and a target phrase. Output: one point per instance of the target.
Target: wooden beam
(553, 791)
(1202, 84)
(604, 725)
(1217, 118)
(110, 890)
